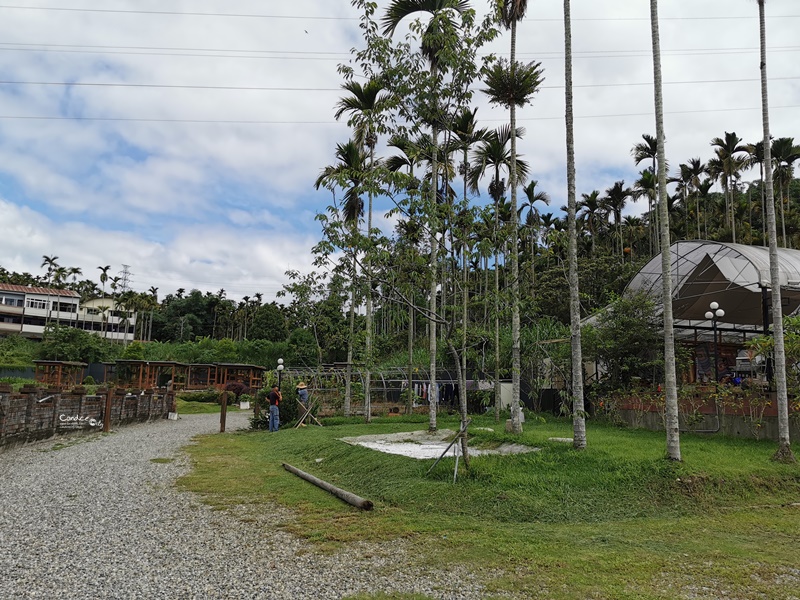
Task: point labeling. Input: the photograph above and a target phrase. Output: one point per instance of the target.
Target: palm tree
(364, 105)
(493, 154)
(784, 155)
(533, 221)
(591, 214)
(614, 202)
(670, 377)
(784, 452)
(51, 263)
(578, 418)
(432, 45)
(755, 156)
(115, 286)
(696, 169)
(74, 272)
(104, 277)
(636, 233)
(52, 269)
(703, 191)
(683, 180)
(727, 165)
(60, 275)
(647, 186)
(511, 87)
(153, 304)
(348, 173)
(648, 150)
(467, 133)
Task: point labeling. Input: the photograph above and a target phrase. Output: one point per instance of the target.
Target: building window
(36, 303)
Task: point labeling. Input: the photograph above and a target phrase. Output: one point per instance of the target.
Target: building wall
(12, 308)
(28, 312)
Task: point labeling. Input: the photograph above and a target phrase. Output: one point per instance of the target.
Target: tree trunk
(410, 402)
(348, 386)
(497, 389)
(516, 365)
(784, 452)
(433, 400)
(578, 412)
(462, 400)
(670, 378)
(368, 325)
(783, 217)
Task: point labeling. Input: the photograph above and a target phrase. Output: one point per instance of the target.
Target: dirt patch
(423, 444)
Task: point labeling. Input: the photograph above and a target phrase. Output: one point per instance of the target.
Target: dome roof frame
(736, 276)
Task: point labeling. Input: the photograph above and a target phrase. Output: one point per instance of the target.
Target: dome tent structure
(736, 276)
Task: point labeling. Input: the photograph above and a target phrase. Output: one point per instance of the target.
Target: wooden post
(54, 423)
(107, 412)
(348, 497)
(224, 412)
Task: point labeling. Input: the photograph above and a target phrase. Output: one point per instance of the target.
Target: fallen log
(348, 497)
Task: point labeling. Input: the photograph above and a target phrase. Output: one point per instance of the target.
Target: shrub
(261, 421)
(203, 396)
(289, 409)
(89, 380)
(238, 388)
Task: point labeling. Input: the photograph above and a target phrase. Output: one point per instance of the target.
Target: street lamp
(713, 315)
(280, 372)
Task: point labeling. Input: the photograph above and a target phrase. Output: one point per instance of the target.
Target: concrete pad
(423, 445)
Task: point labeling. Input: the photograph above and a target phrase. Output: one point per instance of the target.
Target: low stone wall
(730, 412)
(39, 413)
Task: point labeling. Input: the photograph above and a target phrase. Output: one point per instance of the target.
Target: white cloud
(213, 205)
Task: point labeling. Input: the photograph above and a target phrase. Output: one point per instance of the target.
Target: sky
(183, 137)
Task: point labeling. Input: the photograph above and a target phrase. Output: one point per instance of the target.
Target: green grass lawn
(614, 521)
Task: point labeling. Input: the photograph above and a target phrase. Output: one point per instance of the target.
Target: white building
(26, 310)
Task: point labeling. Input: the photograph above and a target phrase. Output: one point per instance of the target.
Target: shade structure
(735, 276)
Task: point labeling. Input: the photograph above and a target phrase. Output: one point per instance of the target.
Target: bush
(289, 410)
(204, 396)
(238, 388)
(261, 421)
(89, 380)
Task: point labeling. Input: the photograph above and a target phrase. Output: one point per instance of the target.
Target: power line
(625, 84)
(180, 49)
(179, 13)
(316, 54)
(170, 86)
(342, 57)
(650, 114)
(241, 88)
(146, 120)
(330, 18)
(257, 122)
(131, 53)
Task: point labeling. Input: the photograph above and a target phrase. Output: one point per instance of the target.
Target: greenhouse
(723, 288)
(735, 276)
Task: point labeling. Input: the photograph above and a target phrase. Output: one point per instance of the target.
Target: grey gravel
(97, 518)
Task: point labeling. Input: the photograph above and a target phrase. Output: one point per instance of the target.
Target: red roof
(29, 289)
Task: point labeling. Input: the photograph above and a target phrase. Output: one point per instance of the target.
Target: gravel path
(98, 519)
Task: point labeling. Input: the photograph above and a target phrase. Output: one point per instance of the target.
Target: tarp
(732, 275)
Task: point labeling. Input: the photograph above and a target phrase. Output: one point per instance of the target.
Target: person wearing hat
(302, 392)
